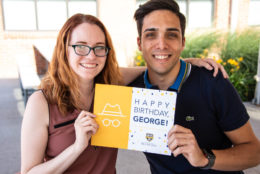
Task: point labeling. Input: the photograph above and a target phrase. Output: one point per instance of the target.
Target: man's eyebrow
(173, 29)
(156, 29)
(150, 29)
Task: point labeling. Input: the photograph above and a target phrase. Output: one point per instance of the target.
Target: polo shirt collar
(178, 82)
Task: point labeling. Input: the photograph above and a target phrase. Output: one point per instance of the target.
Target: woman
(84, 55)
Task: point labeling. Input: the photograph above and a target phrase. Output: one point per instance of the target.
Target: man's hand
(209, 64)
(182, 141)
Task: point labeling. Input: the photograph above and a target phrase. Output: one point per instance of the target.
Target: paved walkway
(12, 107)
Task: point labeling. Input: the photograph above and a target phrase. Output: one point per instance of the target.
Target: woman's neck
(87, 94)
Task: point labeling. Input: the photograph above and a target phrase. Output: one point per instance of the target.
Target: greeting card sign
(133, 118)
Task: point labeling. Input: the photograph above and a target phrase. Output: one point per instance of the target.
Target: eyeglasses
(84, 50)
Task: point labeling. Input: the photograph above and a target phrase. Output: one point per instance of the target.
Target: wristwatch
(211, 157)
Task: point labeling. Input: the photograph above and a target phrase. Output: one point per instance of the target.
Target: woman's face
(87, 67)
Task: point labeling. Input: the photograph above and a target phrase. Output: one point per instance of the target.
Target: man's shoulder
(138, 82)
(205, 74)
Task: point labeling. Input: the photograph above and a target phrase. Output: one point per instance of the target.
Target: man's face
(161, 42)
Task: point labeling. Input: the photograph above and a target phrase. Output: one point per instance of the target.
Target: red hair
(61, 84)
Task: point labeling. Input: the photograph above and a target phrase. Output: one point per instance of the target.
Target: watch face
(211, 154)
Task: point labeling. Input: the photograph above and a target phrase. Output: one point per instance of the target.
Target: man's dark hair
(153, 5)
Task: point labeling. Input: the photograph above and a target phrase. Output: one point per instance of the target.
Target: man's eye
(150, 35)
(172, 35)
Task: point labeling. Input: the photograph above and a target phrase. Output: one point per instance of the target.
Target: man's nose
(162, 44)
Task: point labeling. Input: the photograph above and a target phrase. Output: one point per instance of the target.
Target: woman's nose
(91, 55)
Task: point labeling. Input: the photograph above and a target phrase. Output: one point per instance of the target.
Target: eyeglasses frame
(90, 48)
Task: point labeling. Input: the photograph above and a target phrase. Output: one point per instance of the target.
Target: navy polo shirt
(208, 106)
(182, 76)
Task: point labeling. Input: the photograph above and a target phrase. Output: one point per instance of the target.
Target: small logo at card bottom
(149, 136)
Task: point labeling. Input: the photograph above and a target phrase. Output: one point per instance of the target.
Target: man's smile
(161, 57)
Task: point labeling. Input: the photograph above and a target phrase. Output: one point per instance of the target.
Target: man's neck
(164, 81)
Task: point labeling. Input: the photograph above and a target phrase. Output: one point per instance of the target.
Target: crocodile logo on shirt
(189, 118)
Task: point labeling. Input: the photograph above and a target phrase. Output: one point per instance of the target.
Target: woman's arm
(130, 73)
(34, 139)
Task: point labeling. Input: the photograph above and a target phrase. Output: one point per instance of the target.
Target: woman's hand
(209, 64)
(85, 127)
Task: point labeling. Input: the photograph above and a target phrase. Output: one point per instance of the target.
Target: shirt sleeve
(230, 109)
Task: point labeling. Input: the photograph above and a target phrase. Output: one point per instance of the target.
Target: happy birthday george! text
(148, 111)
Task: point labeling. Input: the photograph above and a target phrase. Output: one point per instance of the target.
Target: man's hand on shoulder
(209, 64)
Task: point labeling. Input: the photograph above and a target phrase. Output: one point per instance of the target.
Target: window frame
(187, 12)
(37, 17)
(248, 23)
(187, 6)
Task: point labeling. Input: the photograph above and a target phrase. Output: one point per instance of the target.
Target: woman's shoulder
(37, 98)
(38, 95)
(37, 107)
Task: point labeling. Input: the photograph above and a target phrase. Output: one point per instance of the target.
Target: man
(212, 133)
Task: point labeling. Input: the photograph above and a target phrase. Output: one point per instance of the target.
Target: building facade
(24, 23)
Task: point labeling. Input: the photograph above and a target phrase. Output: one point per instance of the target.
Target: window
(253, 16)
(198, 13)
(139, 2)
(81, 6)
(43, 14)
(19, 15)
(51, 14)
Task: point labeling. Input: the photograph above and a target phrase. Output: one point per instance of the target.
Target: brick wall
(18, 45)
(243, 9)
(16, 48)
(222, 14)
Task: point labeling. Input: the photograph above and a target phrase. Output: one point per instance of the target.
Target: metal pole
(256, 100)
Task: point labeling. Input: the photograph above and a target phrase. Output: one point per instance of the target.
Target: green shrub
(237, 77)
(242, 45)
(198, 45)
(139, 61)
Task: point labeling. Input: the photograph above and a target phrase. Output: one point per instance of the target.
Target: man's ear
(139, 43)
(183, 43)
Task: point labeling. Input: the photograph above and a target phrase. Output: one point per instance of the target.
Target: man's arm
(244, 154)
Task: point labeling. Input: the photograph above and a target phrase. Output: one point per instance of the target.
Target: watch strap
(211, 157)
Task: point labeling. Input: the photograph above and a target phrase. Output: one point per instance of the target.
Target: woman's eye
(100, 48)
(81, 46)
